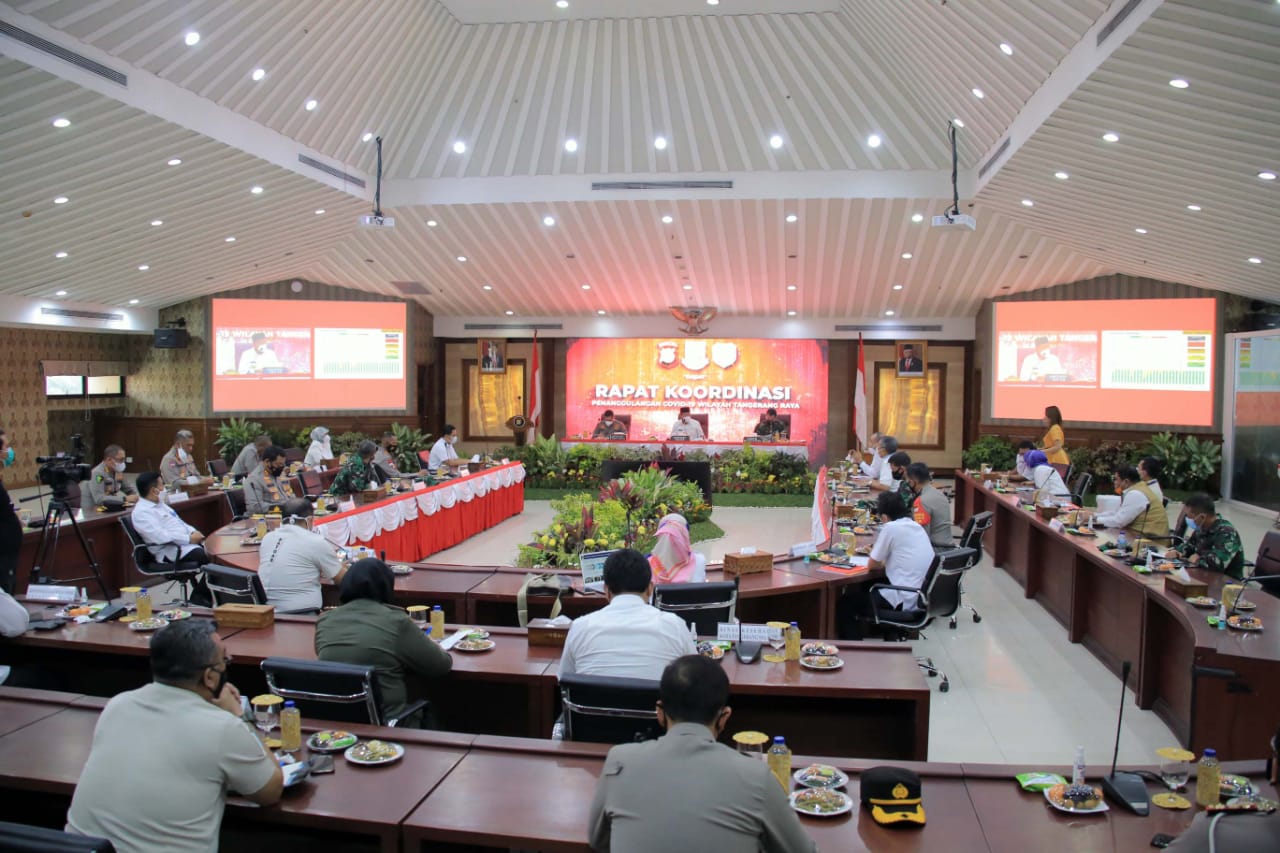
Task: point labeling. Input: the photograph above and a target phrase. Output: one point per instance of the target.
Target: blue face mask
(8, 456)
(1191, 523)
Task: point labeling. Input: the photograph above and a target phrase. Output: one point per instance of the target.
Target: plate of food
(472, 644)
(371, 753)
(401, 569)
(821, 802)
(861, 531)
(820, 662)
(819, 649)
(1117, 553)
(476, 634)
(1202, 601)
(820, 776)
(1081, 531)
(251, 542)
(331, 740)
(1231, 785)
(1077, 799)
(1244, 622)
(708, 649)
(1246, 605)
(155, 623)
(174, 615)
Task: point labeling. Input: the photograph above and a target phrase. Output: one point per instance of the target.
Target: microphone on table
(1127, 789)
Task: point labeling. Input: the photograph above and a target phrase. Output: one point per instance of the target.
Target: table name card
(734, 631)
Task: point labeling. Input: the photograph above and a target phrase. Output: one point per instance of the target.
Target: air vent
(986, 167)
(411, 288)
(662, 185)
(499, 327)
(331, 170)
(1105, 32)
(896, 327)
(45, 46)
(82, 315)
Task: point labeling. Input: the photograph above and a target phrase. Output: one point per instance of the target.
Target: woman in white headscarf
(319, 449)
(672, 560)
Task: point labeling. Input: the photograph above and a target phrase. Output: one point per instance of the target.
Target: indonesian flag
(820, 517)
(860, 397)
(535, 403)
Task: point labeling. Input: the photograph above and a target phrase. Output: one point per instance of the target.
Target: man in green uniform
(1215, 543)
(357, 474)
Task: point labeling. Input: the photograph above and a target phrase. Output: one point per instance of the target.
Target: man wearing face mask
(319, 450)
(178, 464)
(259, 357)
(358, 473)
(294, 560)
(686, 427)
(442, 452)
(188, 709)
(168, 537)
(385, 456)
(265, 488)
(106, 481)
(10, 527)
(250, 456)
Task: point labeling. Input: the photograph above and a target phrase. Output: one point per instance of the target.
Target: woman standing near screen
(1054, 441)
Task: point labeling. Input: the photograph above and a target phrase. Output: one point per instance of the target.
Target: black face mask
(275, 470)
(222, 682)
(393, 448)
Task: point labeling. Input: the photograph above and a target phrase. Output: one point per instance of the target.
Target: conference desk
(1216, 688)
(502, 793)
(711, 448)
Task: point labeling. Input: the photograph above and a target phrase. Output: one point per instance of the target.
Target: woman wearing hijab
(672, 560)
(1045, 477)
(319, 449)
(369, 629)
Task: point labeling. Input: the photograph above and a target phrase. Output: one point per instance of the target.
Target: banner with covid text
(731, 381)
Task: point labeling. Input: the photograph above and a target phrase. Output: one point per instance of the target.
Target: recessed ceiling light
(957, 122)
(1026, 202)
(143, 267)
(1255, 260)
(906, 256)
(687, 286)
(775, 141)
(1110, 137)
(459, 147)
(667, 219)
(509, 313)
(873, 141)
(60, 293)
(586, 287)
(660, 142)
(600, 311)
(311, 104)
(229, 239)
(431, 223)
(62, 199)
(548, 221)
(1140, 230)
(1006, 49)
(978, 93)
(258, 74)
(486, 287)
(1062, 176)
(791, 217)
(571, 145)
(1179, 83)
(1194, 208)
(256, 190)
(1267, 176)
(61, 122)
(791, 287)
(192, 38)
(175, 162)
(59, 254)
(366, 137)
(889, 313)
(133, 302)
(917, 217)
(713, 2)
(562, 4)
(320, 211)
(897, 287)
(791, 313)
(462, 259)
(156, 223)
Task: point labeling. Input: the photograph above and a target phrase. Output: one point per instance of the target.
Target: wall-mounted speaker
(171, 339)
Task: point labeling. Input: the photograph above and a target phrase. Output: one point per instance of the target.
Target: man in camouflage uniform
(358, 472)
(1215, 543)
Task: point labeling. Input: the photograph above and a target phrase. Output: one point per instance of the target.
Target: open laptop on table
(592, 563)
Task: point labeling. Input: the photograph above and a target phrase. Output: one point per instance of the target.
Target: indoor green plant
(234, 434)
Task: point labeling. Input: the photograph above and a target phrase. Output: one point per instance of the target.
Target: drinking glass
(777, 639)
(420, 614)
(1175, 773)
(266, 713)
(751, 744)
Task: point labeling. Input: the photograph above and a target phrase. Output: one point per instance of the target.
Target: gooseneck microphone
(1126, 789)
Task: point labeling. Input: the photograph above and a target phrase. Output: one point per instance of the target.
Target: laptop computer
(592, 563)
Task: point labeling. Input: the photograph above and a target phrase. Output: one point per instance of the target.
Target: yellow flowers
(618, 543)
(640, 530)
(590, 543)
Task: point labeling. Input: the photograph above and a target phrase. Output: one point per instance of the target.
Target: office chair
(599, 709)
(20, 838)
(939, 597)
(703, 605)
(218, 468)
(1084, 482)
(974, 529)
(236, 501)
(327, 690)
(182, 571)
(229, 585)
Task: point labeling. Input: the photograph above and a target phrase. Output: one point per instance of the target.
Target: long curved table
(1216, 688)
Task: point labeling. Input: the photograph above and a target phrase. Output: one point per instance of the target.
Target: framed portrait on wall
(911, 358)
(491, 355)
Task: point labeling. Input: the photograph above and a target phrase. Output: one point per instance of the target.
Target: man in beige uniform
(106, 481)
(190, 714)
(178, 463)
(266, 487)
(685, 791)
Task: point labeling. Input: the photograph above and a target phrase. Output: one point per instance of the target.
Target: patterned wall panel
(170, 383)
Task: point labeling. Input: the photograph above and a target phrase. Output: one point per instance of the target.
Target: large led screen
(305, 355)
(730, 381)
(1131, 361)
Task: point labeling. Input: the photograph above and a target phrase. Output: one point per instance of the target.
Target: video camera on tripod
(60, 471)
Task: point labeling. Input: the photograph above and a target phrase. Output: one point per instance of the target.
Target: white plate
(1100, 807)
(155, 623)
(806, 665)
(470, 645)
(846, 806)
(347, 754)
(401, 569)
(838, 781)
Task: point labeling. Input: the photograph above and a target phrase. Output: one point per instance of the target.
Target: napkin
(476, 458)
(1181, 574)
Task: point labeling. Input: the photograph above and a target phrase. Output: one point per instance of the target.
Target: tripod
(47, 553)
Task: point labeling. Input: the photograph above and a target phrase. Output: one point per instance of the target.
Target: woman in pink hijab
(672, 560)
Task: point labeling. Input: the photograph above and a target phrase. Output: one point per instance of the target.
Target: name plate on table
(178, 497)
(51, 593)
(749, 633)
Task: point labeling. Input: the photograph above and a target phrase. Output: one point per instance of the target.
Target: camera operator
(10, 527)
(106, 481)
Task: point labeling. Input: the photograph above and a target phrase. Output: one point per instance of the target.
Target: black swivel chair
(218, 468)
(1080, 488)
(599, 709)
(20, 838)
(938, 598)
(327, 690)
(229, 585)
(236, 500)
(974, 529)
(183, 571)
(703, 605)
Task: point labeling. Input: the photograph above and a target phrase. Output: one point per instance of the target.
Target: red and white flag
(820, 516)
(860, 398)
(535, 401)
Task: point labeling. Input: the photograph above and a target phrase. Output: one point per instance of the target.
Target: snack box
(1186, 590)
(543, 632)
(747, 564)
(245, 615)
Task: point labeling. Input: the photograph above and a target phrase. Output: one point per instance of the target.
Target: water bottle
(779, 760)
(290, 728)
(437, 621)
(1122, 542)
(792, 635)
(693, 633)
(1208, 777)
(699, 568)
(1077, 767)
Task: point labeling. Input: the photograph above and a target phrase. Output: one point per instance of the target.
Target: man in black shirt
(10, 527)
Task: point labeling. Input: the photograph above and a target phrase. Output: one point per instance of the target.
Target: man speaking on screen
(259, 357)
(1041, 364)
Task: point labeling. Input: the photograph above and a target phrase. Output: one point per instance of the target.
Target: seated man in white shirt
(14, 618)
(902, 549)
(628, 638)
(168, 537)
(686, 427)
(1141, 514)
(872, 469)
(190, 711)
(293, 560)
(884, 480)
(442, 452)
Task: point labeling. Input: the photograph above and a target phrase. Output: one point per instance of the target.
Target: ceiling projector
(955, 222)
(373, 220)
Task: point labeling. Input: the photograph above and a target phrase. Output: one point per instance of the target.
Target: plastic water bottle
(699, 568)
(1122, 542)
(1077, 767)
(779, 760)
(792, 635)
(290, 728)
(1208, 777)
(437, 621)
(693, 633)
